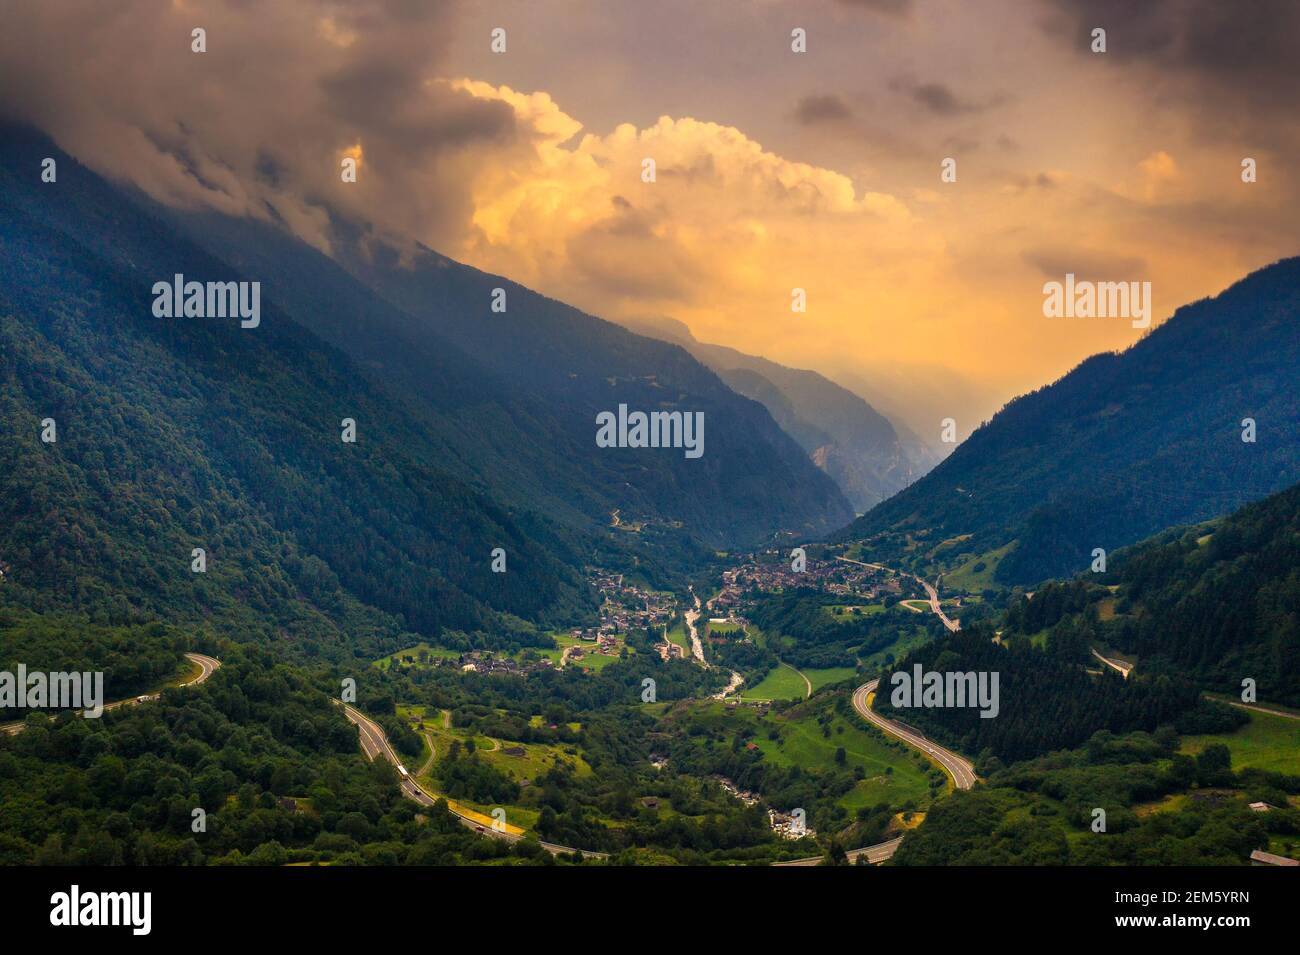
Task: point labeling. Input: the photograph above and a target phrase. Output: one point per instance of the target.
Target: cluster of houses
(771, 572)
(484, 661)
(669, 650)
(626, 606)
(604, 642)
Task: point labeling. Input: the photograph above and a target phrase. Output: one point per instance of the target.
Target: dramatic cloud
(259, 124)
(1237, 62)
(725, 230)
(774, 170)
(940, 99)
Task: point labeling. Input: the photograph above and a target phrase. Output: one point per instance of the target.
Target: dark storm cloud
(261, 120)
(1217, 54)
(940, 99)
(817, 109)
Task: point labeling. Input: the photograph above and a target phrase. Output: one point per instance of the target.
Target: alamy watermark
(75, 907)
(182, 299)
(656, 429)
(53, 691)
(951, 689)
(1085, 299)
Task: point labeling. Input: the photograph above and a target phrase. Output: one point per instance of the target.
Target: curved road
(930, 591)
(374, 742)
(875, 854)
(207, 667)
(1124, 669)
(960, 769)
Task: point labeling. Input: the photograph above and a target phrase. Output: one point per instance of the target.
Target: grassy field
(920, 606)
(782, 683)
(1266, 742)
(724, 629)
(890, 774)
(847, 612)
(534, 760)
(593, 660)
(821, 678)
(966, 578)
(432, 655)
(907, 641)
(679, 636)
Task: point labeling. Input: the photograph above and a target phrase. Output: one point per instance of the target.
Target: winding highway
(374, 743)
(207, 667)
(875, 854)
(960, 769)
(933, 594)
(1123, 669)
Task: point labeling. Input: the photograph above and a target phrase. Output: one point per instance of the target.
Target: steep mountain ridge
(867, 455)
(1121, 447)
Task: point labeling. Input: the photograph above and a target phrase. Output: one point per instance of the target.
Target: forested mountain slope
(1122, 447)
(1217, 603)
(529, 383)
(868, 456)
(175, 434)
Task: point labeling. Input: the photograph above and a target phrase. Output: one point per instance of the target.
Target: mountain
(176, 434)
(1200, 607)
(918, 397)
(862, 450)
(1123, 446)
(528, 385)
(183, 433)
(1217, 602)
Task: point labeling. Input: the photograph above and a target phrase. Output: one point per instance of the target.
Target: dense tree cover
(1051, 602)
(462, 775)
(132, 658)
(1041, 812)
(516, 391)
(1046, 701)
(616, 735)
(1220, 610)
(1122, 447)
(747, 657)
(809, 636)
(1217, 603)
(184, 433)
(122, 789)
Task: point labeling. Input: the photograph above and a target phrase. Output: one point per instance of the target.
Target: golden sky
(821, 171)
(775, 170)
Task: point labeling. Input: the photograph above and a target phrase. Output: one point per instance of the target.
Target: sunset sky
(775, 169)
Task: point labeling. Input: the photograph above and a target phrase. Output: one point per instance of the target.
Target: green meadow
(1266, 742)
(420, 655)
(783, 682)
(827, 676)
(890, 773)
